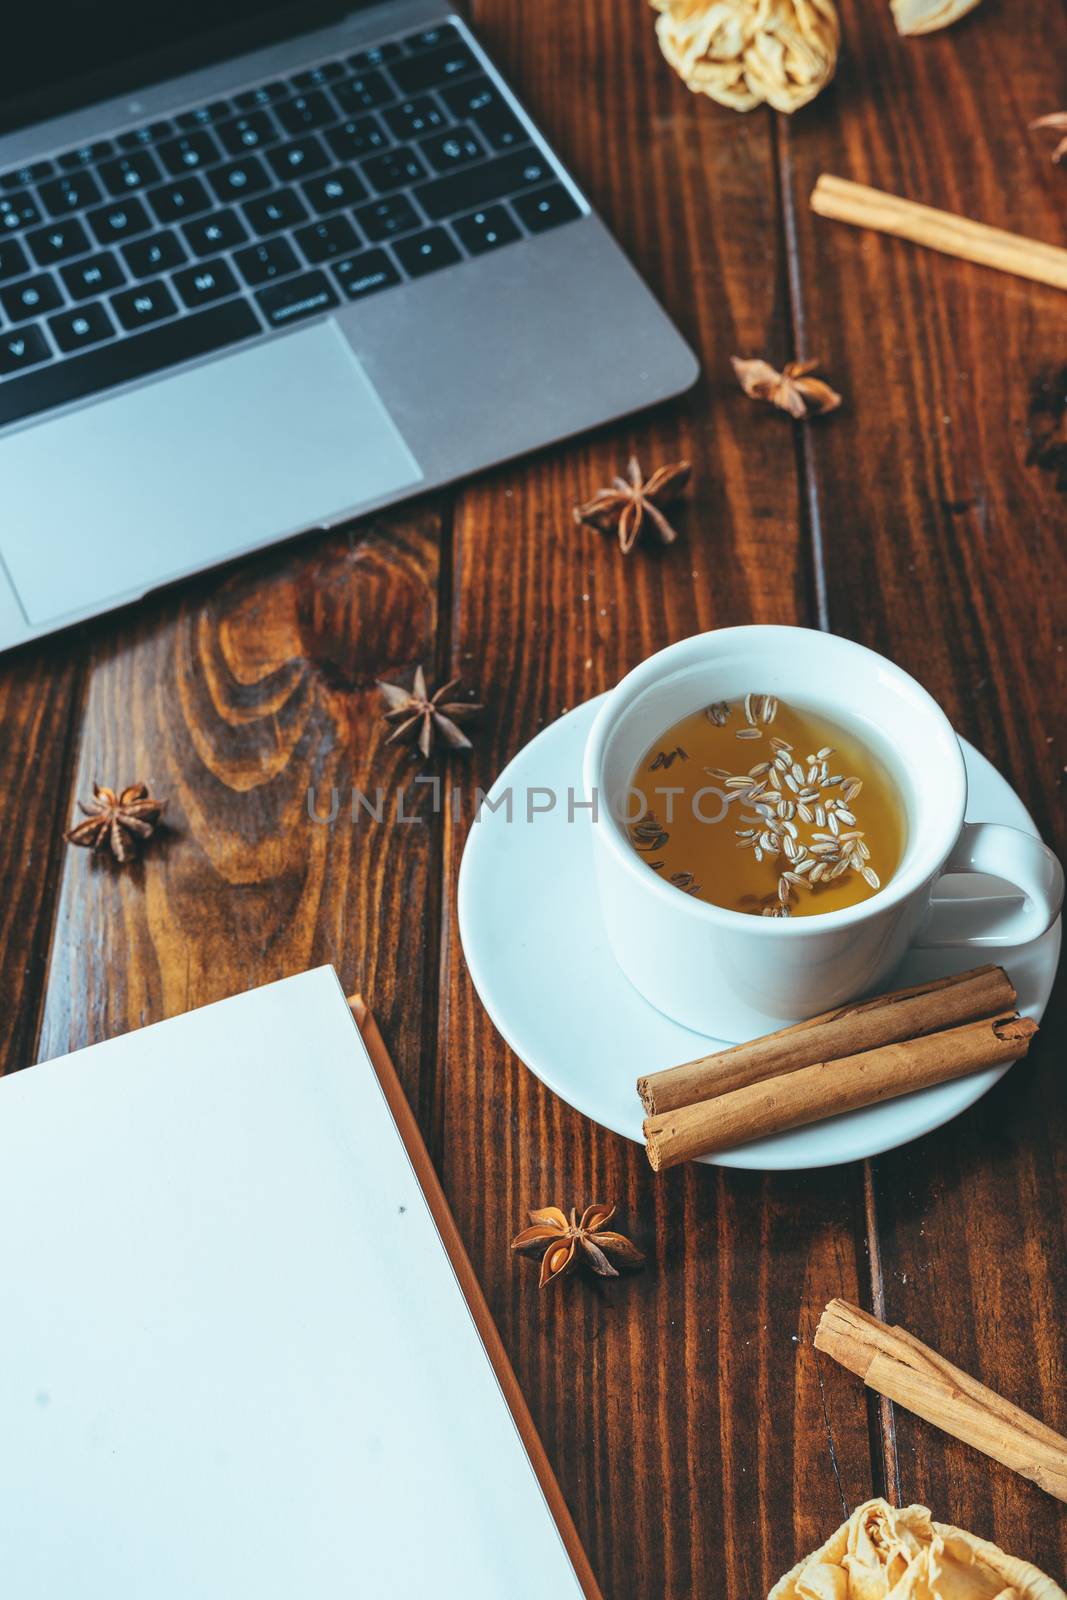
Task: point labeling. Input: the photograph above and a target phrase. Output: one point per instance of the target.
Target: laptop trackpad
(106, 503)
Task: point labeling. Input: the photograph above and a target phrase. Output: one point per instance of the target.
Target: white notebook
(235, 1356)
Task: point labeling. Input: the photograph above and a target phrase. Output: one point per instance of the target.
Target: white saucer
(537, 952)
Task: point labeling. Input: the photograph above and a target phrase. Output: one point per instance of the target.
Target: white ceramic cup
(730, 975)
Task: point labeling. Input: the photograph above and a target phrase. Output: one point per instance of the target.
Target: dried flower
(744, 54)
(421, 716)
(561, 1245)
(1057, 121)
(120, 819)
(627, 501)
(926, 16)
(791, 390)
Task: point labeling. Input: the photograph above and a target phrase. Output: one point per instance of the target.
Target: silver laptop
(317, 272)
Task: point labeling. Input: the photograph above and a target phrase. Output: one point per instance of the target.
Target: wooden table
(698, 1439)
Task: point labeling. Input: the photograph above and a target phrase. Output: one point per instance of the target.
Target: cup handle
(1006, 853)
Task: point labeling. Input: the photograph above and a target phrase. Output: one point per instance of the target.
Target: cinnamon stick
(863, 1025)
(901, 1367)
(845, 201)
(828, 1088)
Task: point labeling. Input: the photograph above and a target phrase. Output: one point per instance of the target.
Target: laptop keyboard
(189, 234)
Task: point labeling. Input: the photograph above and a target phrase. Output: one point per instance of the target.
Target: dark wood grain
(700, 1444)
(39, 704)
(233, 700)
(945, 548)
(682, 1408)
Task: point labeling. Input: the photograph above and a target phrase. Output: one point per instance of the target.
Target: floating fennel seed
(759, 769)
(827, 750)
(747, 733)
(716, 772)
(738, 783)
(770, 708)
(872, 877)
(718, 713)
(749, 703)
(780, 744)
(803, 812)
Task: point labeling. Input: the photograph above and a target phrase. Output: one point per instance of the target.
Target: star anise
(421, 715)
(121, 819)
(791, 390)
(561, 1245)
(1057, 121)
(626, 502)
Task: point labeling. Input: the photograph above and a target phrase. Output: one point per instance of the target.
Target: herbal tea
(767, 808)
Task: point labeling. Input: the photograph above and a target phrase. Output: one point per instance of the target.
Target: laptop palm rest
(193, 469)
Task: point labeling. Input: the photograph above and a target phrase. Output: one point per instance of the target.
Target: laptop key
(393, 170)
(333, 190)
(470, 97)
(13, 259)
(282, 209)
(306, 296)
(86, 155)
(365, 274)
(446, 151)
(126, 173)
(113, 223)
(74, 330)
(472, 187)
(120, 360)
(22, 177)
(425, 252)
(200, 285)
(384, 218)
(486, 230)
(376, 56)
(92, 275)
(204, 116)
(416, 117)
(333, 236)
(546, 208)
(146, 257)
(304, 112)
(264, 94)
(58, 242)
(221, 231)
(431, 38)
(192, 150)
(19, 350)
(240, 179)
(247, 133)
(176, 201)
(137, 138)
(317, 77)
(18, 211)
(299, 159)
(359, 136)
(72, 192)
(149, 302)
(362, 92)
(30, 297)
(479, 100)
(262, 263)
(433, 67)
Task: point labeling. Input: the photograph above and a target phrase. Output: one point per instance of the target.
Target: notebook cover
(430, 1184)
